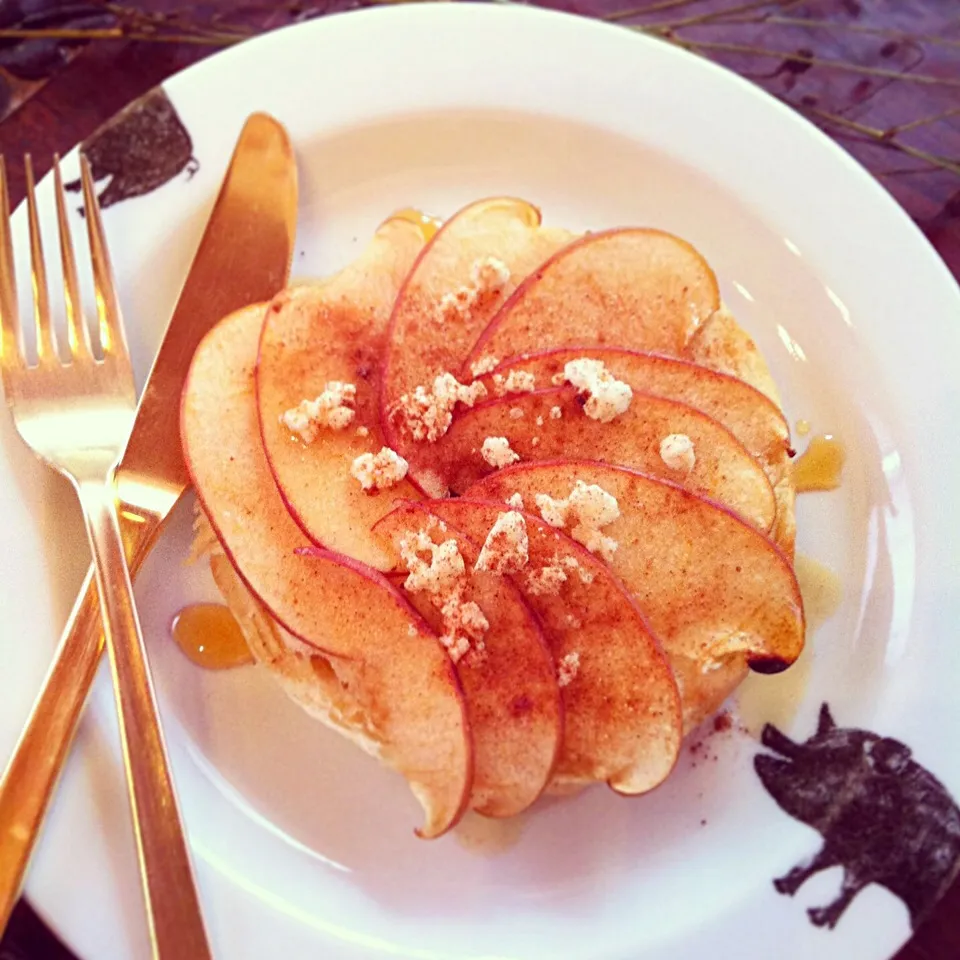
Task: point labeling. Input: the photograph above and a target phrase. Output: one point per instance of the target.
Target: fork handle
(173, 907)
(32, 773)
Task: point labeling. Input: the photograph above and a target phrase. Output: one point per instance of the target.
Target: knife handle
(32, 773)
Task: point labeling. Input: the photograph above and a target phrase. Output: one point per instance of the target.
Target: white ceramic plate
(303, 847)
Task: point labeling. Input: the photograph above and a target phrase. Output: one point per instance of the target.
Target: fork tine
(112, 337)
(11, 348)
(77, 332)
(46, 342)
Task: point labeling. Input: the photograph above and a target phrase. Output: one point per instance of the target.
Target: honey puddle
(776, 698)
(428, 225)
(820, 465)
(487, 836)
(210, 636)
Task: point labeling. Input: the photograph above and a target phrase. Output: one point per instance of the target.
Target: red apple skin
(328, 600)
(513, 700)
(747, 413)
(628, 287)
(419, 348)
(718, 593)
(724, 469)
(622, 710)
(334, 331)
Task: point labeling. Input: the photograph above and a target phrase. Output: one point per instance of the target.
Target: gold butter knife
(244, 257)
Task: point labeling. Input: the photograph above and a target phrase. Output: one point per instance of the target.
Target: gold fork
(76, 416)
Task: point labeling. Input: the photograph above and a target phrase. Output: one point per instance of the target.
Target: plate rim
(222, 61)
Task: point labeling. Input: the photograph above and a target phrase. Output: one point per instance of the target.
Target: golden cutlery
(76, 417)
(243, 257)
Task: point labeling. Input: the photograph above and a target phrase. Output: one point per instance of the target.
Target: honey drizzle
(489, 837)
(210, 636)
(428, 225)
(820, 466)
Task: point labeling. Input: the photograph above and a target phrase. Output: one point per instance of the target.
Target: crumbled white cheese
(572, 563)
(676, 451)
(507, 547)
(555, 413)
(484, 365)
(595, 541)
(567, 669)
(489, 274)
(519, 381)
(438, 576)
(574, 622)
(588, 508)
(497, 452)
(456, 646)
(516, 413)
(363, 431)
(552, 575)
(427, 415)
(553, 511)
(607, 397)
(464, 626)
(443, 578)
(378, 471)
(587, 503)
(515, 500)
(333, 409)
(488, 277)
(456, 304)
(546, 581)
(436, 524)
(534, 441)
(539, 421)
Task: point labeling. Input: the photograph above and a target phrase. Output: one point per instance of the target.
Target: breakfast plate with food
(567, 571)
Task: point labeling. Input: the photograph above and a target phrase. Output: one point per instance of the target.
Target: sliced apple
(636, 288)
(325, 599)
(715, 590)
(747, 413)
(622, 718)
(744, 410)
(723, 468)
(334, 331)
(426, 340)
(722, 344)
(513, 701)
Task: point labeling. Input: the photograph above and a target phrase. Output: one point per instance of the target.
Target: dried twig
(103, 33)
(903, 171)
(883, 138)
(800, 56)
(717, 16)
(842, 25)
(119, 33)
(644, 10)
(923, 121)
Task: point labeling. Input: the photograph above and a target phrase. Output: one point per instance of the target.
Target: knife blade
(243, 257)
